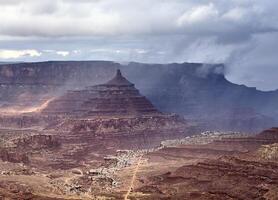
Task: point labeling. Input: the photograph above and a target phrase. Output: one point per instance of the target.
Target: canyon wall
(199, 92)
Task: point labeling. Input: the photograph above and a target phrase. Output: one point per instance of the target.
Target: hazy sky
(240, 33)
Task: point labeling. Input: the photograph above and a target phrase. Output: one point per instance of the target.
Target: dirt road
(131, 185)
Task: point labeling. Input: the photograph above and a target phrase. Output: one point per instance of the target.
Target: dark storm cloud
(240, 33)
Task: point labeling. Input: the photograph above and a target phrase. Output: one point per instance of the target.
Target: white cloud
(77, 51)
(49, 51)
(14, 54)
(58, 18)
(62, 53)
(141, 51)
(143, 30)
(199, 14)
(235, 14)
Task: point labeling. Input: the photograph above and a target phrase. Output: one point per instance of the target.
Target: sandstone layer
(192, 90)
(116, 97)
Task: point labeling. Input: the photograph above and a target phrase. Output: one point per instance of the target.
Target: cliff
(199, 92)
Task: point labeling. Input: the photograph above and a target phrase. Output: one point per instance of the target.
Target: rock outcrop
(115, 98)
(236, 168)
(101, 118)
(269, 152)
(20, 148)
(9, 155)
(193, 90)
(270, 134)
(228, 178)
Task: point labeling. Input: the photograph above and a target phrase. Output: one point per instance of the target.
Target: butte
(115, 109)
(84, 125)
(117, 97)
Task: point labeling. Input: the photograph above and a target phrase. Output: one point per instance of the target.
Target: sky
(242, 34)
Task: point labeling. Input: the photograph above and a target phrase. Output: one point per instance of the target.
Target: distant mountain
(200, 92)
(5, 63)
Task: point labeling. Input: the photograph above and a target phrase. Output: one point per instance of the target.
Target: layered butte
(116, 97)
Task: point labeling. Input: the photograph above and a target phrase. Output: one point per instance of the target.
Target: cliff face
(27, 82)
(114, 98)
(197, 91)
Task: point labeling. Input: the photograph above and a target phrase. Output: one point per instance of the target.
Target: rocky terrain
(211, 165)
(188, 89)
(76, 152)
(109, 141)
(117, 97)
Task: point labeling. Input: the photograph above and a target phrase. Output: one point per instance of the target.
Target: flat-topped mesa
(114, 98)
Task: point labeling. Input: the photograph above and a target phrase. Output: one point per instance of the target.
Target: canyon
(103, 130)
(193, 90)
(210, 165)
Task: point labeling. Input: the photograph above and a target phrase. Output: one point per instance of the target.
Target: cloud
(198, 14)
(53, 18)
(14, 54)
(256, 63)
(63, 53)
(235, 32)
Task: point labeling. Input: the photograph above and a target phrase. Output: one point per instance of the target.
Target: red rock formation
(234, 176)
(115, 98)
(38, 142)
(27, 120)
(270, 134)
(13, 156)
